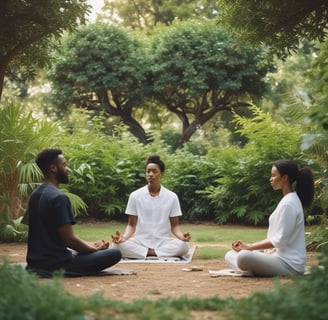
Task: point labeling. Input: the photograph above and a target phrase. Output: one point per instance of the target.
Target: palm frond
(79, 207)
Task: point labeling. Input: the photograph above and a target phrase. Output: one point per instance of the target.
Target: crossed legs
(134, 249)
(258, 264)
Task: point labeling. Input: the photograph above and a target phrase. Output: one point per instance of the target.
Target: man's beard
(62, 177)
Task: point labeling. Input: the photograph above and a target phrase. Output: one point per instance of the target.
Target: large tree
(281, 24)
(198, 70)
(102, 69)
(28, 28)
(140, 14)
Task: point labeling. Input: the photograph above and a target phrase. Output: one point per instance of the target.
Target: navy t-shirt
(48, 209)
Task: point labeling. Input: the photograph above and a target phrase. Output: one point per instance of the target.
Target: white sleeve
(284, 226)
(176, 209)
(131, 207)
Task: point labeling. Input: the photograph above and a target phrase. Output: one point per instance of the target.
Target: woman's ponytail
(303, 177)
(305, 186)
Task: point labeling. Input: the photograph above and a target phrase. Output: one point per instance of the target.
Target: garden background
(219, 89)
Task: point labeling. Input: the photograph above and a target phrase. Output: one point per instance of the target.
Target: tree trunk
(135, 128)
(4, 62)
(201, 118)
(10, 203)
(188, 129)
(187, 133)
(124, 112)
(2, 77)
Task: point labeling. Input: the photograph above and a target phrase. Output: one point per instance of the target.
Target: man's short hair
(47, 157)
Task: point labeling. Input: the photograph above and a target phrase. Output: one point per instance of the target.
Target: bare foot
(151, 253)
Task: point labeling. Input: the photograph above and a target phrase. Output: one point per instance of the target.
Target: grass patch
(207, 253)
(224, 234)
(97, 231)
(211, 234)
(212, 241)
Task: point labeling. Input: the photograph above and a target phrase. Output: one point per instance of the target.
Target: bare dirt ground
(154, 280)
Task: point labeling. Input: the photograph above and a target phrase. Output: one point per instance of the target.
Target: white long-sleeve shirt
(286, 232)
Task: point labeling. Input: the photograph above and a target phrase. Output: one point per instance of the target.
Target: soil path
(154, 281)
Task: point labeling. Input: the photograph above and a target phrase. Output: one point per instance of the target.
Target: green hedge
(223, 184)
(242, 193)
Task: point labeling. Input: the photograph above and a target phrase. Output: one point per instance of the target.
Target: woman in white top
(283, 252)
(153, 216)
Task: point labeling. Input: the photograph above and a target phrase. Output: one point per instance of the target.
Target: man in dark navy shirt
(52, 244)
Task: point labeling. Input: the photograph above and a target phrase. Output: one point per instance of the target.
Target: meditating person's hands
(117, 238)
(239, 245)
(101, 245)
(185, 237)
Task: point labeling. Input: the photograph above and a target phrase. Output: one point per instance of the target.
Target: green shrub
(242, 192)
(21, 136)
(317, 237)
(188, 174)
(22, 297)
(12, 231)
(226, 184)
(105, 169)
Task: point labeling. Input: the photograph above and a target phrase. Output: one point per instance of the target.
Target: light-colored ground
(155, 281)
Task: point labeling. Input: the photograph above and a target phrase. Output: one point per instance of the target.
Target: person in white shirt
(153, 217)
(283, 252)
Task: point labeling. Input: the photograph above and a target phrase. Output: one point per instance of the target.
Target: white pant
(134, 249)
(258, 263)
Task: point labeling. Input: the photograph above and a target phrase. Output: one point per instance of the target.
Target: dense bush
(226, 184)
(242, 192)
(103, 169)
(187, 174)
(317, 236)
(106, 169)
(12, 230)
(21, 135)
(22, 297)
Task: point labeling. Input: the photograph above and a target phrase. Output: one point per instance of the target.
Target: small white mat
(116, 271)
(184, 259)
(234, 273)
(227, 273)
